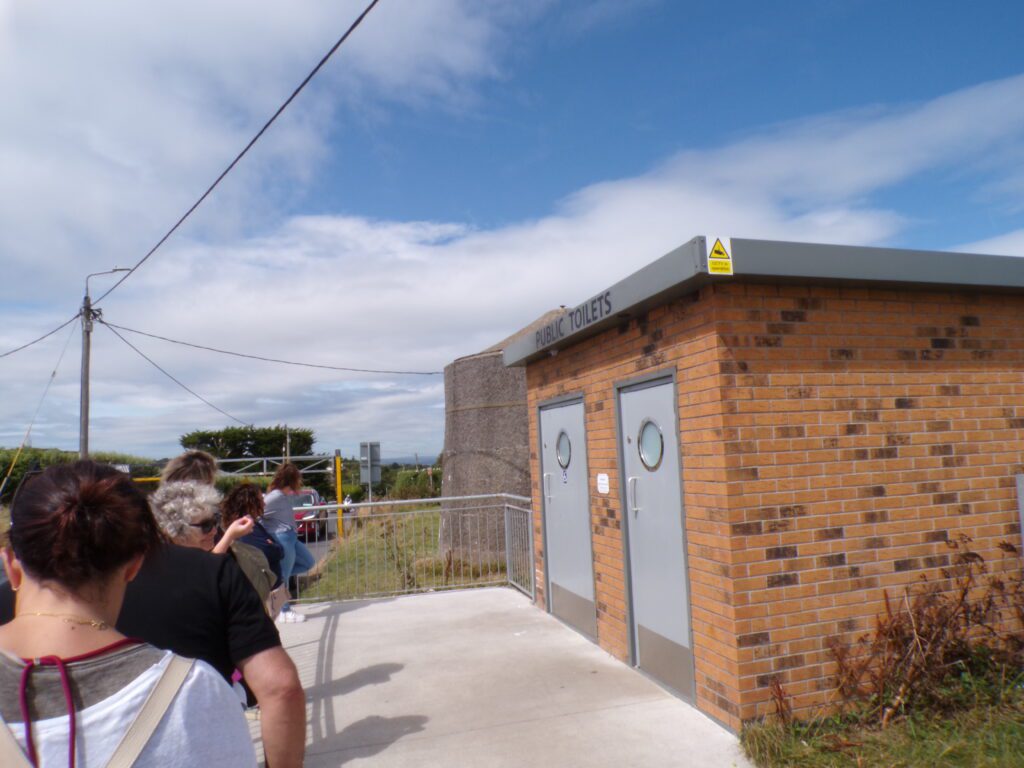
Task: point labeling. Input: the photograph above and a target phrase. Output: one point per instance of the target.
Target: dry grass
(967, 624)
(939, 681)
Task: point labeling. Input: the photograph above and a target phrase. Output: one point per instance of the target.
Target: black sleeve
(6, 602)
(250, 629)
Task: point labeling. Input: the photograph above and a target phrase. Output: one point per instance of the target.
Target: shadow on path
(363, 738)
(327, 609)
(372, 675)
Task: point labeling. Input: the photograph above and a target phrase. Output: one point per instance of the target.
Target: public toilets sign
(673, 274)
(575, 320)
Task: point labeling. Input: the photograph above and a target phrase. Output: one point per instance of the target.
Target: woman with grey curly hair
(189, 514)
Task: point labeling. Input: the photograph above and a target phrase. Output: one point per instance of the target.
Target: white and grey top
(279, 511)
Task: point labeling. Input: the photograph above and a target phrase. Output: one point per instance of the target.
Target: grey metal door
(567, 549)
(649, 446)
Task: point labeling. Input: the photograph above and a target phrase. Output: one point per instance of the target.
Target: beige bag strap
(11, 755)
(151, 713)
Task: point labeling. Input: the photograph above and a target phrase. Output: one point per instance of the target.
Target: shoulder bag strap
(151, 713)
(11, 754)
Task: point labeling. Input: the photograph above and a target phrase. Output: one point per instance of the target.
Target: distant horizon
(399, 459)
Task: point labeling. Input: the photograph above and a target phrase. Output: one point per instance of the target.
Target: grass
(394, 555)
(988, 735)
(938, 681)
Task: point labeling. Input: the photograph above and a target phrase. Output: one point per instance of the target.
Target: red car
(310, 522)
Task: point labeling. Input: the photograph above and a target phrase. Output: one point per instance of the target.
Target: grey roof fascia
(685, 270)
(676, 273)
(811, 262)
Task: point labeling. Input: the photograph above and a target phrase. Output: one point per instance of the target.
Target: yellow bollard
(338, 494)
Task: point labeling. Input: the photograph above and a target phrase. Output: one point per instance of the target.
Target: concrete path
(483, 678)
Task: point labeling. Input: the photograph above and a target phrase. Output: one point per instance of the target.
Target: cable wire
(271, 359)
(242, 154)
(176, 381)
(65, 324)
(46, 390)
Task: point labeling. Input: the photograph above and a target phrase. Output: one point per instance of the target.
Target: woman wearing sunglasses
(71, 685)
(189, 515)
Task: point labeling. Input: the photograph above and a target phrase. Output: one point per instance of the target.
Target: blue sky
(456, 170)
(584, 103)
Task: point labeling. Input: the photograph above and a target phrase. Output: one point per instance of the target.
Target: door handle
(546, 483)
(631, 493)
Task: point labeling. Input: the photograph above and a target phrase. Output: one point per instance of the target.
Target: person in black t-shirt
(221, 620)
(200, 605)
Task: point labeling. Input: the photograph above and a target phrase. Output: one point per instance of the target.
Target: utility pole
(88, 314)
(83, 411)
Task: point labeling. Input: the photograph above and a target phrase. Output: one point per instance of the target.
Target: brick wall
(832, 439)
(863, 429)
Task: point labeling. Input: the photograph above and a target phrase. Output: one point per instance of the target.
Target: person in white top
(279, 519)
(72, 688)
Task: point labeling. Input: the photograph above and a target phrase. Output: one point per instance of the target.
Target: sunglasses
(207, 525)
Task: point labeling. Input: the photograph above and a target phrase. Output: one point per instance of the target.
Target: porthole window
(563, 450)
(651, 445)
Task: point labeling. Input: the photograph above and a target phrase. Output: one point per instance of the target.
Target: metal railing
(420, 545)
(261, 466)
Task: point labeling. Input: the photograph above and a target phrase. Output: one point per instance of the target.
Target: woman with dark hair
(280, 522)
(71, 685)
(245, 501)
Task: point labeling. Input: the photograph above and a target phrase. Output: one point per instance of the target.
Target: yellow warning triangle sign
(719, 261)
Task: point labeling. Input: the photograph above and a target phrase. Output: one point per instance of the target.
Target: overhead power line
(42, 399)
(176, 381)
(65, 324)
(242, 154)
(272, 359)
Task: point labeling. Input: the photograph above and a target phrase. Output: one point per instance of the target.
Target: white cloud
(843, 156)
(1008, 244)
(118, 114)
(104, 141)
(580, 17)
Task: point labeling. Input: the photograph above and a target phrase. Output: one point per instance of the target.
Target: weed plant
(938, 682)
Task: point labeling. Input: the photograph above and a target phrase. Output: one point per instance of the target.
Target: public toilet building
(738, 449)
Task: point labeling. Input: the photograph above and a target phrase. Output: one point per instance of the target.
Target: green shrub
(416, 484)
(225, 483)
(41, 458)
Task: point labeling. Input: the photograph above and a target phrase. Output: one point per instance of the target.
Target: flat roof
(686, 269)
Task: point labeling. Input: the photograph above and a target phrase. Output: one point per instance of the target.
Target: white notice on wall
(602, 483)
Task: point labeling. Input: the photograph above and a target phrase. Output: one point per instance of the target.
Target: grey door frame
(556, 402)
(647, 381)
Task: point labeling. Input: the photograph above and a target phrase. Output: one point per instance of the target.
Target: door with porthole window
(659, 588)
(568, 554)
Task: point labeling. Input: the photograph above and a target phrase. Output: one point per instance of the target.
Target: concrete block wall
(485, 434)
(832, 440)
(485, 451)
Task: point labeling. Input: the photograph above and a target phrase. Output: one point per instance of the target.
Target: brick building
(728, 469)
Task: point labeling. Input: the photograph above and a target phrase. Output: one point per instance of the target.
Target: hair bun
(77, 523)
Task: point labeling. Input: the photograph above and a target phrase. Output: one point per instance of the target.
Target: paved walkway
(483, 678)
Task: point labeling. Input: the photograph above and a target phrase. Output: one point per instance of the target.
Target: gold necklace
(70, 618)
